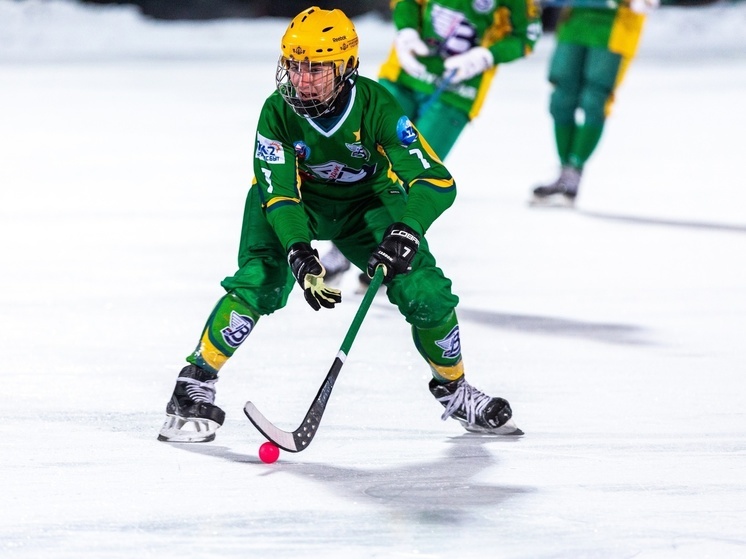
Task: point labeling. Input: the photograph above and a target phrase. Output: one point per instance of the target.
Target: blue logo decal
(405, 130)
(238, 330)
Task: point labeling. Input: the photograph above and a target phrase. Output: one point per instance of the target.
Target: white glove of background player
(643, 6)
(407, 44)
(468, 64)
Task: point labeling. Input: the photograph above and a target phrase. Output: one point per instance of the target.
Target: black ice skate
(561, 192)
(477, 412)
(191, 415)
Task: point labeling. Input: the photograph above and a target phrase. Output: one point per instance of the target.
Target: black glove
(307, 269)
(396, 252)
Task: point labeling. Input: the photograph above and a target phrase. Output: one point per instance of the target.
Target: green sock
(584, 142)
(563, 137)
(229, 324)
(441, 348)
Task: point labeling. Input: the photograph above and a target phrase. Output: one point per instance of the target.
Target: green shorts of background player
(594, 49)
(335, 159)
(441, 123)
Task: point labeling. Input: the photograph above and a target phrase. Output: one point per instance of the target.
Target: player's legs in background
(440, 124)
(566, 75)
(600, 74)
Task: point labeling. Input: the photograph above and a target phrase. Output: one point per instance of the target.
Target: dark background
(220, 9)
(216, 9)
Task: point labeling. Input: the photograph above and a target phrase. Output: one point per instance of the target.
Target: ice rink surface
(616, 330)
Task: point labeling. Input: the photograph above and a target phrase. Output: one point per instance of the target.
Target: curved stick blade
(295, 441)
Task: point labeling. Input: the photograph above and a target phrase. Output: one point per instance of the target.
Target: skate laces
(467, 398)
(199, 391)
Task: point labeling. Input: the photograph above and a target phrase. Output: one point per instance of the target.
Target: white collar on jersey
(340, 119)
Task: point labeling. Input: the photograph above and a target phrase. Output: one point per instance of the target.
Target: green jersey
(331, 164)
(508, 28)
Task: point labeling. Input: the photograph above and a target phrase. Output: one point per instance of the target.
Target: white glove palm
(468, 64)
(408, 44)
(643, 6)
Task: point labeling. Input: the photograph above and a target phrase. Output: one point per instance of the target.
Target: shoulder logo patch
(405, 131)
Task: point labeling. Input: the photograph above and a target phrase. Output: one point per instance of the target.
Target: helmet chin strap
(338, 104)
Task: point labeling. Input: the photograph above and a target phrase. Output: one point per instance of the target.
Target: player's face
(312, 81)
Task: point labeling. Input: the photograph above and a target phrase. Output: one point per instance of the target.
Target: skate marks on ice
(640, 220)
(439, 491)
(618, 334)
(680, 223)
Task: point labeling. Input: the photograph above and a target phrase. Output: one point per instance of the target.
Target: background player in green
(595, 44)
(335, 159)
(462, 42)
(443, 60)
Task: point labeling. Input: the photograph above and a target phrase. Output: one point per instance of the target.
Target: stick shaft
(295, 441)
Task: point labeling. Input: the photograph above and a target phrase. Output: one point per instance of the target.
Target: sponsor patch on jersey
(405, 131)
(334, 171)
(269, 150)
(451, 344)
(238, 330)
(302, 151)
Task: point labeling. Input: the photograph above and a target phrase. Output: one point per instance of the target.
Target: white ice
(617, 331)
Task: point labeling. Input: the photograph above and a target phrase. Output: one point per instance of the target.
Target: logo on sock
(240, 327)
(451, 344)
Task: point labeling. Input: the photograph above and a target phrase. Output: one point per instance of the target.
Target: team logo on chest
(358, 150)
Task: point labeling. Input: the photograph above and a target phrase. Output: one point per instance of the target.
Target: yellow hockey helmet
(315, 42)
(318, 35)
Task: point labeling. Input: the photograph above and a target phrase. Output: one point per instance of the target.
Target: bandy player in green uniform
(335, 159)
(462, 42)
(595, 46)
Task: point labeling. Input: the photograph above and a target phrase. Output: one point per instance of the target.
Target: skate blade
(553, 201)
(507, 429)
(187, 430)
